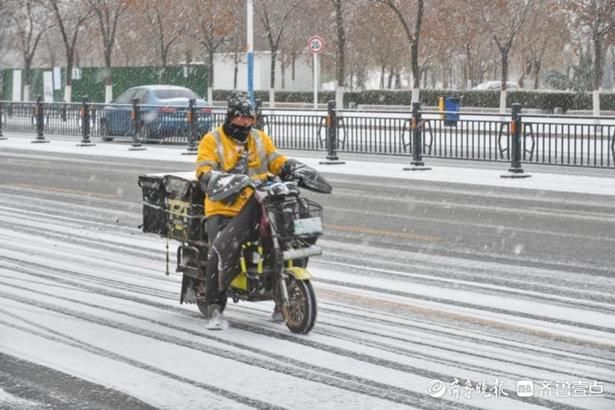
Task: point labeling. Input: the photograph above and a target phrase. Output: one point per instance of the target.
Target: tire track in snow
(487, 282)
(306, 342)
(453, 302)
(145, 290)
(118, 245)
(296, 368)
(52, 335)
(452, 333)
(74, 278)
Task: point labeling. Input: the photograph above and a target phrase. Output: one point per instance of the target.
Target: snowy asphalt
(427, 277)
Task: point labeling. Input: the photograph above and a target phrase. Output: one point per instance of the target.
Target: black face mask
(236, 132)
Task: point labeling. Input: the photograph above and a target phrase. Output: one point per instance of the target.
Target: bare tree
(6, 10)
(441, 51)
(369, 45)
(168, 26)
(545, 33)
(611, 46)
(274, 16)
(236, 47)
(70, 16)
(503, 19)
(413, 36)
(31, 24)
(463, 45)
(214, 23)
(340, 60)
(598, 17)
(309, 18)
(107, 13)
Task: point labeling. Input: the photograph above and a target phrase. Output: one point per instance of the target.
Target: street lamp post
(250, 47)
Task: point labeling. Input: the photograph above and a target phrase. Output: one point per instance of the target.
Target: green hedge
(92, 84)
(282, 96)
(92, 81)
(542, 100)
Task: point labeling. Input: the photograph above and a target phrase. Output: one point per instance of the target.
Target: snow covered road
(83, 291)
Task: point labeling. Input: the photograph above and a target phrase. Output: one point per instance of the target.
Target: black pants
(227, 235)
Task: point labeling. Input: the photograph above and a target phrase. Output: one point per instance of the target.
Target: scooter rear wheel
(300, 315)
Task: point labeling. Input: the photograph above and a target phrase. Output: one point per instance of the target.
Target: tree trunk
(282, 75)
(536, 74)
(504, 68)
(235, 70)
(340, 81)
(210, 68)
(274, 54)
(445, 75)
(68, 86)
(210, 75)
(27, 79)
(108, 77)
(341, 44)
(397, 80)
(504, 79)
(613, 69)
(597, 63)
(467, 80)
(416, 79)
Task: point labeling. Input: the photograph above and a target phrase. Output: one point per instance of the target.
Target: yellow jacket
(219, 152)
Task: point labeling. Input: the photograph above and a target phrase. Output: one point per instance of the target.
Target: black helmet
(239, 104)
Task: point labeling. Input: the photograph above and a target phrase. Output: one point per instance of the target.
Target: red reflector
(167, 109)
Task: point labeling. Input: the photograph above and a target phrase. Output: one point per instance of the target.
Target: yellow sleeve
(275, 160)
(207, 156)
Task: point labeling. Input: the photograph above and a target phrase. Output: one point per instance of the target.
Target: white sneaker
(215, 319)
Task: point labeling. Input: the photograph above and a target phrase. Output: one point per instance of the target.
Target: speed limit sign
(315, 44)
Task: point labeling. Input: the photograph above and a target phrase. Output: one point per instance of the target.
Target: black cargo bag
(154, 212)
(184, 209)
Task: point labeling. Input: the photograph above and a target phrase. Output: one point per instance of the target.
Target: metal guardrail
(543, 139)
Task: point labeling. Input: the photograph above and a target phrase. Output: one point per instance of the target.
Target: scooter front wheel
(300, 314)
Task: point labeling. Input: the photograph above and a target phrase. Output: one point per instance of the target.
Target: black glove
(306, 177)
(204, 179)
(224, 187)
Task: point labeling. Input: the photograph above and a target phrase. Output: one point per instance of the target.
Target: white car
(496, 85)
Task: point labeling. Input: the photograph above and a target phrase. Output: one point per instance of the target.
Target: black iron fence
(542, 139)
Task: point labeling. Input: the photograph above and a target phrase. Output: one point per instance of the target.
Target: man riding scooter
(230, 159)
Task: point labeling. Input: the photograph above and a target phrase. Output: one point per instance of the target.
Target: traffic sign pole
(315, 45)
(316, 80)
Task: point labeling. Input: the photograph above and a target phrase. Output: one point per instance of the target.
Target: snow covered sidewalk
(550, 181)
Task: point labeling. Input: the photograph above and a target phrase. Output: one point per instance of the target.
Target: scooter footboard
(300, 273)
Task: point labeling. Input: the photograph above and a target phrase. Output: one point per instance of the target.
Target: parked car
(496, 86)
(163, 112)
